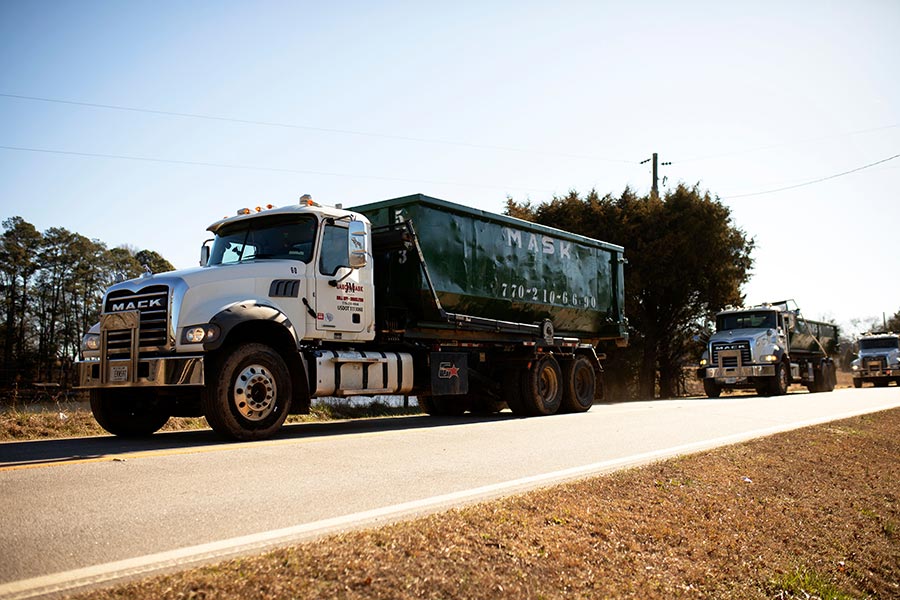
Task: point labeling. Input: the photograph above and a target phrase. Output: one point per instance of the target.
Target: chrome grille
(876, 363)
(153, 304)
(743, 347)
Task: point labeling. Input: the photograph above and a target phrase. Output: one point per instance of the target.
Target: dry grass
(813, 513)
(68, 419)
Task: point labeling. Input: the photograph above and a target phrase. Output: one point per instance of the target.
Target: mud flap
(449, 373)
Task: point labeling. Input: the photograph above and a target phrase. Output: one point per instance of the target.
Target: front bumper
(886, 373)
(731, 374)
(169, 371)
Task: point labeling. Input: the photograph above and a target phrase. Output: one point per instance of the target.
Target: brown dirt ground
(813, 513)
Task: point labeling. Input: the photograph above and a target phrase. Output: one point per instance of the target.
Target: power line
(791, 143)
(311, 128)
(193, 163)
(820, 180)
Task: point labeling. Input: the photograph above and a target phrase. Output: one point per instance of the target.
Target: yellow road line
(167, 452)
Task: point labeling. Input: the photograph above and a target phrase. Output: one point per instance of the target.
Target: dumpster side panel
(503, 268)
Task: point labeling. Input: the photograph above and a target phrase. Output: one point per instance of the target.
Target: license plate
(731, 380)
(118, 373)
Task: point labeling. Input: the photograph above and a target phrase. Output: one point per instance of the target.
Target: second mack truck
(878, 362)
(767, 348)
(467, 310)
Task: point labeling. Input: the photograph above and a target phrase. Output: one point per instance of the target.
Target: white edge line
(184, 557)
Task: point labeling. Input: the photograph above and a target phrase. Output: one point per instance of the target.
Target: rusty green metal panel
(499, 267)
(812, 337)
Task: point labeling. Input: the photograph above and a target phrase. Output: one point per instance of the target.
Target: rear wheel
(579, 385)
(830, 376)
(818, 383)
(542, 387)
(131, 412)
(824, 379)
(250, 394)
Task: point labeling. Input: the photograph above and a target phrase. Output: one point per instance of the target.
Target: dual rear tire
(546, 388)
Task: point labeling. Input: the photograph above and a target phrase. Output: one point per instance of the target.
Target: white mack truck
(475, 312)
(879, 360)
(767, 348)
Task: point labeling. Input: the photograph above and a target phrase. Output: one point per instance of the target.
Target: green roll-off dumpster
(498, 267)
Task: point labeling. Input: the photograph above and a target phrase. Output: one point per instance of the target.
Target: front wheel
(712, 389)
(128, 412)
(249, 395)
(780, 382)
(857, 382)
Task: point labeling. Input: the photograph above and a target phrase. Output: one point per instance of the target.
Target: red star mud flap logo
(449, 373)
(447, 370)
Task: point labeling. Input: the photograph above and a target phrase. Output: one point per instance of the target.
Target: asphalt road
(82, 511)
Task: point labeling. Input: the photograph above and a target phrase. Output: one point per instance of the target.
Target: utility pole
(654, 191)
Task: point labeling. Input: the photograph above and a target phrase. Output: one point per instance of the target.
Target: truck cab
(307, 268)
(766, 348)
(878, 362)
(263, 325)
(746, 349)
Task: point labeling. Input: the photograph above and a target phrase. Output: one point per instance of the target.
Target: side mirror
(204, 253)
(358, 245)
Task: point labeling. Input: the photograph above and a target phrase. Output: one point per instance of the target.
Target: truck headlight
(199, 334)
(854, 367)
(770, 358)
(90, 342)
(702, 362)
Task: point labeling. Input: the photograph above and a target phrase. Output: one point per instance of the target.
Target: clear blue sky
(471, 102)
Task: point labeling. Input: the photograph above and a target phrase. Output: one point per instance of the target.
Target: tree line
(51, 289)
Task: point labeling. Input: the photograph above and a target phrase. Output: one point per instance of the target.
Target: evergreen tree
(686, 260)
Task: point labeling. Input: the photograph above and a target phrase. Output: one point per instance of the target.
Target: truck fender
(244, 312)
(231, 319)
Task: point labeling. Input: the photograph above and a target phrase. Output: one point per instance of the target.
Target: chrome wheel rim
(254, 393)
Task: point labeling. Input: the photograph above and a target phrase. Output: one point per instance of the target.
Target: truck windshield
(757, 319)
(879, 343)
(277, 237)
